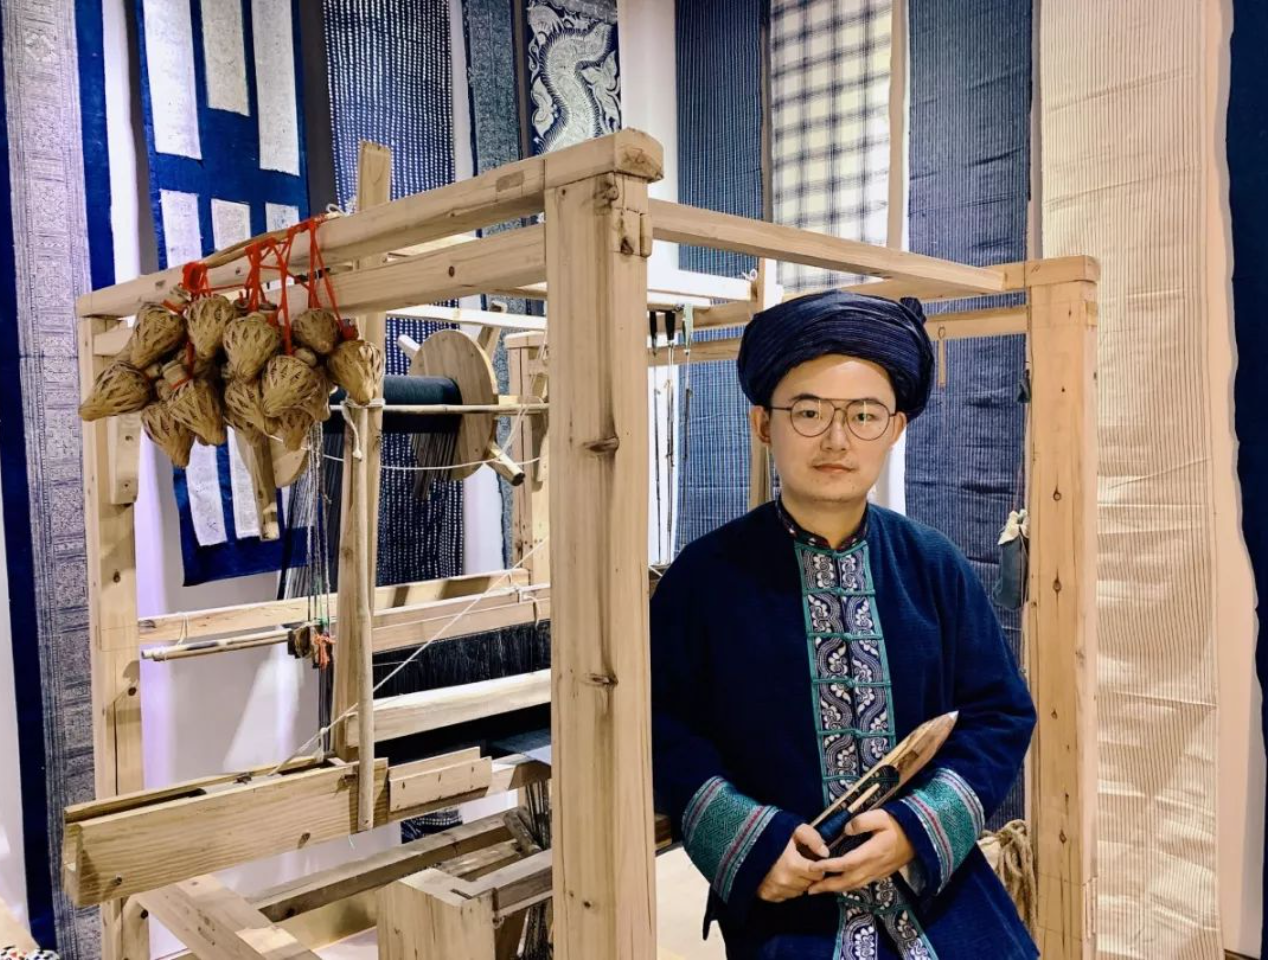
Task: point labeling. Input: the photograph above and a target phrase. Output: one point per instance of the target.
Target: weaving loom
(596, 584)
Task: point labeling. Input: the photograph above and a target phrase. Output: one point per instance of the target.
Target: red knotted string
(316, 266)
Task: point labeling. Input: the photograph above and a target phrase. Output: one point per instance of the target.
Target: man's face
(836, 466)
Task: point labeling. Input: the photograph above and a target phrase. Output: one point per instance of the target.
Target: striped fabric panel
(951, 814)
(969, 192)
(719, 55)
(830, 62)
(719, 828)
(1126, 122)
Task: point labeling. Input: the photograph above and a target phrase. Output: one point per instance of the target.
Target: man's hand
(887, 851)
(793, 873)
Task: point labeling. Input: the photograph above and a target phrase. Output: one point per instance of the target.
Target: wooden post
(597, 242)
(112, 627)
(1061, 619)
(530, 507)
(425, 917)
(766, 292)
(374, 185)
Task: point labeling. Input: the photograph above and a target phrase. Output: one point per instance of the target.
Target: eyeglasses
(811, 416)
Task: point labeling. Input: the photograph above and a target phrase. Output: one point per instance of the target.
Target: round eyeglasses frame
(851, 408)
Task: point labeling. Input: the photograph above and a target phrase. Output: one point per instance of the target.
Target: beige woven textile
(1126, 125)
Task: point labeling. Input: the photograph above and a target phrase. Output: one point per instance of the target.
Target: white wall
(12, 865)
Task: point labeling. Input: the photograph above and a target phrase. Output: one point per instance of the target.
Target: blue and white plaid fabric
(830, 81)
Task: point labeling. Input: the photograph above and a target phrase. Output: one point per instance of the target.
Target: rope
(1014, 863)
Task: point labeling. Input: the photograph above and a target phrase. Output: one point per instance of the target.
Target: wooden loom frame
(591, 252)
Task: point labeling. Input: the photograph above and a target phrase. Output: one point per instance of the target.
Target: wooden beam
(1016, 275)
(118, 855)
(766, 291)
(260, 615)
(409, 626)
(983, 323)
(1061, 618)
(421, 917)
(501, 320)
(597, 240)
(110, 540)
(411, 714)
(375, 871)
(509, 258)
(218, 924)
(711, 229)
(505, 193)
(134, 848)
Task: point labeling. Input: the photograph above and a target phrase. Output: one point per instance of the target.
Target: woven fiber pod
(292, 426)
(120, 388)
(289, 383)
(157, 332)
(168, 433)
(207, 319)
(244, 409)
(318, 329)
(196, 404)
(357, 366)
(249, 343)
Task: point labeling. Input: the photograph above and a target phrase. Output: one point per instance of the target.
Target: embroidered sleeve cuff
(733, 840)
(942, 819)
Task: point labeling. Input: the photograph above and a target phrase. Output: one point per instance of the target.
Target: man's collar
(802, 535)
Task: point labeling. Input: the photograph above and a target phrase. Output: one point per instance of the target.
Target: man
(794, 647)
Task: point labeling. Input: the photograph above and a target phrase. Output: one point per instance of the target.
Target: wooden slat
(530, 508)
(411, 714)
(421, 917)
(1016, 275)
(119, 855)
(1061, 618)
(374, 872)
(473, 865)
(412, 788)
(505, 193)
(711, 229)
(265, 614)
(518, 885)
(218, 924)
(596, 239)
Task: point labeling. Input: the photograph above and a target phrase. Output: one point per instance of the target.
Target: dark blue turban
(890, 334)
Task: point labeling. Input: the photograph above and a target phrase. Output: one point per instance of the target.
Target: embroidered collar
(802, 535)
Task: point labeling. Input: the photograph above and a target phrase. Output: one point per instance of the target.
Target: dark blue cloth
(719, 48)
(1248, 199)
(888, 333)
(731, 698)
(969, 193)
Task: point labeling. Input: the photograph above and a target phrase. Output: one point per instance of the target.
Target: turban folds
(890, 334)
